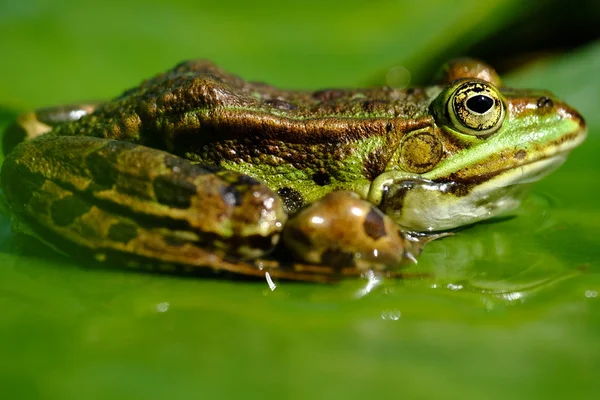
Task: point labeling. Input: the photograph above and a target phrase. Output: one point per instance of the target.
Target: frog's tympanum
(197, 168)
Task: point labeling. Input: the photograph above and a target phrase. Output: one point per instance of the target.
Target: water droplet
(452, 286)
(512, 296)
(373, 281)
(270, 282)
(391, 315)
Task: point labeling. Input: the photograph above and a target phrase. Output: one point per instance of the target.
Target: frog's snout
(568, 112)
(549, 111)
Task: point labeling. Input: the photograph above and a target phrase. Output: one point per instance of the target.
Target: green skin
(422, 155)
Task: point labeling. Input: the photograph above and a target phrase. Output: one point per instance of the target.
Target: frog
(197, 169)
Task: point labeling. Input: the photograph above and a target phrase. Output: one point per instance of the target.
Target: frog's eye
(475, 107)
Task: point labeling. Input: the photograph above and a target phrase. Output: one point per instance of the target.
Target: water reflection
(499, 262)
(270, 282)
(391, 315)
(373, 281)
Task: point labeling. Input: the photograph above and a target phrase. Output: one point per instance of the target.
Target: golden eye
(476, 108)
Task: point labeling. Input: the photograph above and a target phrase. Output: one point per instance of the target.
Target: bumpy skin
(90, 193)
(305, 144)
(404, 150)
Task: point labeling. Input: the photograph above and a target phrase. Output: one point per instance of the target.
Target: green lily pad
(504, 309)
(71, 51)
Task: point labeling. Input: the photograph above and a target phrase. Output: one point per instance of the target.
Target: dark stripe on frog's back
(171, 109)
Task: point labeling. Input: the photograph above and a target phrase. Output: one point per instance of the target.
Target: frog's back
(197, 102)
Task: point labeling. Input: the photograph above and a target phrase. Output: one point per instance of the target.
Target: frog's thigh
(100, 196)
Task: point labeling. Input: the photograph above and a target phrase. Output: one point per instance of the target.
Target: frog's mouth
(526, 173)
(429, 205)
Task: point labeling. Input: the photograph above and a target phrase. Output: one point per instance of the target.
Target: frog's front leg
(91, 196)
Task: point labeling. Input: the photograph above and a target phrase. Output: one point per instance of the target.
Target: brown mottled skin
(197, 103)
(200, 112)
(138, 205)
(240, 108)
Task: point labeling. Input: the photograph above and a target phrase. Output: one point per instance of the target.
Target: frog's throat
(528, 172)
(432, 206)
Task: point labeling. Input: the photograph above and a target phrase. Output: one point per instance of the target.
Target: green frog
(197, 169)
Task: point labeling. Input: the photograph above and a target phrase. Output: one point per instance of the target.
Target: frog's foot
(348, 233)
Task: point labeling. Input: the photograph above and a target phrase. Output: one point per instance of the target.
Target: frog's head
(483, 144)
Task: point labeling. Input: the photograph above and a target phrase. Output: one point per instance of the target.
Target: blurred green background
(512, 308)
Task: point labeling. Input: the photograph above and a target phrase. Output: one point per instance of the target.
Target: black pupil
(480, 103)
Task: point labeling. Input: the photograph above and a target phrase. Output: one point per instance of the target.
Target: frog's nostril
(567, 112)
(545, 102)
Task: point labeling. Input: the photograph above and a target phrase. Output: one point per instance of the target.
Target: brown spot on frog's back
(173, 192)
(101, 163)
(64, 211)
(374, 224)
(122, 232)
(19, 182)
